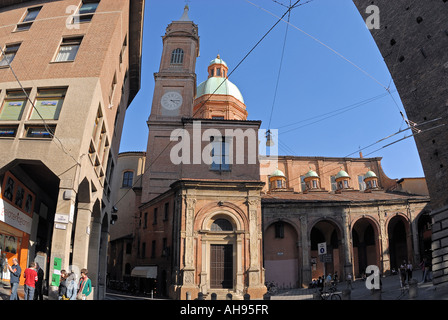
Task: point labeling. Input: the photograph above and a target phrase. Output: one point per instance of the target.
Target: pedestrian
(72, 285)
(320, 283)
(349, 281)
(403, 274)
(426, 269)
(38, 293)
(14, 278)
(422, 267)
(85, 286)
(2, 264)
(409, 270)
(30, 275)
(335, 277)
(328, 280)
(62, 293)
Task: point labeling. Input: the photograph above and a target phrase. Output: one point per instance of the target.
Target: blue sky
(323, 106)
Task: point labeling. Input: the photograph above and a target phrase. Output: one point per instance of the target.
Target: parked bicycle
(330, 293)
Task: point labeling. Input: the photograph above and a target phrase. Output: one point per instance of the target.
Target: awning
(145, 272)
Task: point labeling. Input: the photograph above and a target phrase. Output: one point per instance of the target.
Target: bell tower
(174, 91)
(175, 83)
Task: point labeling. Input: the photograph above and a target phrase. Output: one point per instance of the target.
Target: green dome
(278, 173)
(213, 84)
(311, 173)
(342, 174)
(370, 174)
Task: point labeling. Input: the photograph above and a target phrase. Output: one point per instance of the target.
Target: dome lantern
(371, 180)
(342, 180)
(217, 97)
(277, 180)
(311, 180)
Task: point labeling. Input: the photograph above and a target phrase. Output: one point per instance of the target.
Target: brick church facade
(211, 218)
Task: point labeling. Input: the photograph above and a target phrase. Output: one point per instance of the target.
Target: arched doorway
(398, 230)
(321, 265)
(365, 245)
(281, 254)
(221, 249)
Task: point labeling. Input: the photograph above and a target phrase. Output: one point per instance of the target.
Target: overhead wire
(241, 61)
(415, 130)
(244, 58)
(280, 66)
(408, 122)
(46, 126)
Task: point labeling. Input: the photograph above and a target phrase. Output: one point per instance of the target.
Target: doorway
(221, 266)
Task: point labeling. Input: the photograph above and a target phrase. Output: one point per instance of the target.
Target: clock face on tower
(171, 100)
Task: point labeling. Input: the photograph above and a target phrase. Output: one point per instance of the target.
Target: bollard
(214, 296)
(188, 295)
(200, 296)
(229, 296)
(413, 289)
(247, 296)
(346, 294)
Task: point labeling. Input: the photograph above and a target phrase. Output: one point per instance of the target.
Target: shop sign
(14, 217)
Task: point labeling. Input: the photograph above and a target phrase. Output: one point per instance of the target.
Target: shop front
(16, 219)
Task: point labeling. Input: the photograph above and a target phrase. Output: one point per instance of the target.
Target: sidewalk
(391, 290)
(5, 291)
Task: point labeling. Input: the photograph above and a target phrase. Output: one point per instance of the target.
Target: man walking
(38, 294)
(15, 272)
(30, 275)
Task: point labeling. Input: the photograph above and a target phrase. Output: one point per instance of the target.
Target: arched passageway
(326, 231)
(398, 231)
(365, 245)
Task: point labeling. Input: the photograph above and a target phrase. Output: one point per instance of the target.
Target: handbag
(79, 295)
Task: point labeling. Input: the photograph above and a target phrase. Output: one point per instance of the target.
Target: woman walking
(85, 286)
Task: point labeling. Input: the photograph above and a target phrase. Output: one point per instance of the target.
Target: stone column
(188, 271)
(255, 288)
(204, 285)
(239, 263)
(306, 262)
(82, 236)
(62, 230)
(384, 240)
(347, 243)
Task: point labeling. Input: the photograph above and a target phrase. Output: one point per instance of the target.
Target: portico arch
(400, 246)
(329, 231)
(366, 244)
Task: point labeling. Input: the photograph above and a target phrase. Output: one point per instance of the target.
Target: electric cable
(244, 58)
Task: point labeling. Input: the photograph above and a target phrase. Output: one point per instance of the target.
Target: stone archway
(327, 231)
(366, 246)
(399, 241)
(281, 256)
(221, 253)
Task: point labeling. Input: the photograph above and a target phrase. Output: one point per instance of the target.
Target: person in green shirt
(85, 286)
